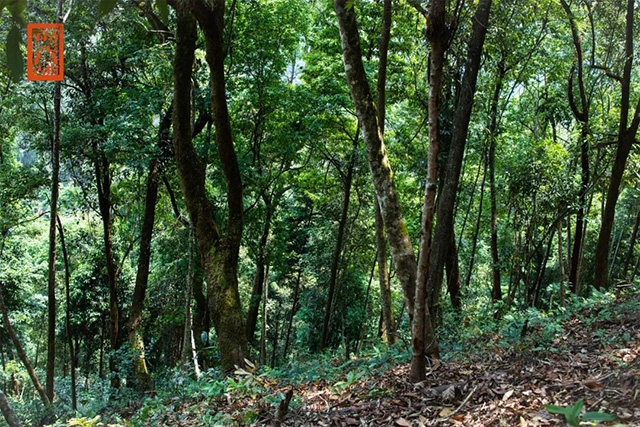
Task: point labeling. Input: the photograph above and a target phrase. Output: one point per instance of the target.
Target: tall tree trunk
(21, 353)
(389, 329)
(626, 137)
(496, 288)
(381, 243)
(462, 117)
(381, 172)
(67, 280)
(581, 115)
(218, 251)
(53, 214)
(136, 342)
(103, 183)
(294, 308)
(337, 255)
(258, 280)
(437, 34)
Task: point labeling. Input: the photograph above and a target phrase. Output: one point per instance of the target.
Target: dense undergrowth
(181, 399)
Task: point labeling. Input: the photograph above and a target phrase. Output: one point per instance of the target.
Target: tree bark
(218, 251)
(454, 285)
(462, 117)
(381, 243)
(626, 137)
(437, 34)
(381, 172)
(9, 415)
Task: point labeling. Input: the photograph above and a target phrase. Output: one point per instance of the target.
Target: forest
(320, 213)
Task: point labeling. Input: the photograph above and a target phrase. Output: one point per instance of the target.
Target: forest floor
(593, 355)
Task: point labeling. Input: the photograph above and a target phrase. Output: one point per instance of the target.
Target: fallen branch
(466, 399)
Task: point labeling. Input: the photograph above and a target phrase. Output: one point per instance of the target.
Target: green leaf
(163, 9)
(598, 416)
(554, 409)
(349, 4)
(577, 408)
(14, 55)
(106, 6)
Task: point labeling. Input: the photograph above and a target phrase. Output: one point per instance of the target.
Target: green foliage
(573, 413)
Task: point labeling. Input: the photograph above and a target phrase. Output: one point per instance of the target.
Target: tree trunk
(462, 116)
(626, 137)
(294, 308)
(218, 251)
(53, 214)
(136, 342)
(67, 280)
(381, 172)
(7, 411)
(258, 280)
(263, 335)
(21, 353)
(581, 114)
(189, 354)
(496, 289)
(381, 243)
(422, 339)
(453, 275)
(103, 183)
(337, 255)
(201, 322)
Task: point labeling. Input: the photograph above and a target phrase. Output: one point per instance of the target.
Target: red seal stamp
(45, 51)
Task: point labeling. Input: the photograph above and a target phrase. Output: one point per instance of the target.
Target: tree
(461, 120)
(218, 251)
(627, 131)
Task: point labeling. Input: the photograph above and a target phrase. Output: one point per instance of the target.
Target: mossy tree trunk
(218, 251)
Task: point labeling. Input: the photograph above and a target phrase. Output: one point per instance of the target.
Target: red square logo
(45, 51)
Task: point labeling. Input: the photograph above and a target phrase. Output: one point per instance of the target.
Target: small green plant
(573, 416)
(352, 378)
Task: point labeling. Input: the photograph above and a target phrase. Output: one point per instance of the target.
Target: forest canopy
(224, 207)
